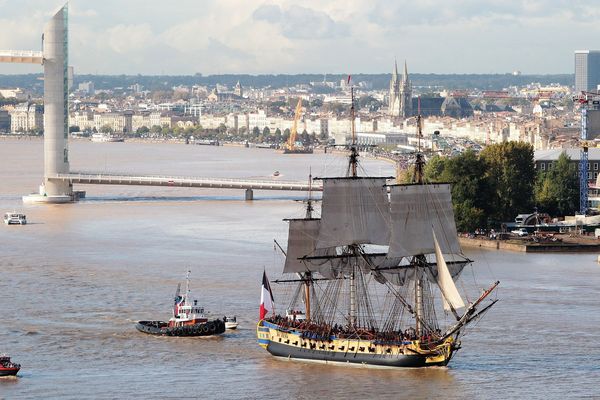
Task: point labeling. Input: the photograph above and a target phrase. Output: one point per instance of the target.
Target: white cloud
(284, 36)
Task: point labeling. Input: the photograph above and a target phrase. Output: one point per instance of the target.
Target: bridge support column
(56, 117)
(249, 194)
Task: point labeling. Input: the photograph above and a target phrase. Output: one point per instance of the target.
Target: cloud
(125, 39)
(297, 22)
(284, 36)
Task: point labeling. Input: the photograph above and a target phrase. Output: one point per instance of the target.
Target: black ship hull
(395, 361)
(161, 328)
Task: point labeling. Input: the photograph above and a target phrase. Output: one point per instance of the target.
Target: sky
(154, 37)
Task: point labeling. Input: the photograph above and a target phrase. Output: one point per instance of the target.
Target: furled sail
(402, 274)
(450, 294)
(414, 210)
(354, 211)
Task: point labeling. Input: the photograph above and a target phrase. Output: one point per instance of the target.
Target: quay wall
(526, 247)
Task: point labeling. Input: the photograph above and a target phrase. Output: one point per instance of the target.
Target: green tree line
(500, 182)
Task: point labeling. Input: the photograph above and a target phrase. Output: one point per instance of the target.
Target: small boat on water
(15, 219)
(276, 173)
(187, 320)
(105, 138)
(231, 322)
(7, 367)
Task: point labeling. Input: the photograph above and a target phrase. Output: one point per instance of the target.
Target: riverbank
(563, 244)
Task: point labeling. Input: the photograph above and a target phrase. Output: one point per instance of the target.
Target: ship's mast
(308, 274)
(419, 260)
(352, 171)
(353, 150)
(187, 288)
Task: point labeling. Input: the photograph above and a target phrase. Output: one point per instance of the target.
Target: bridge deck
(21, 56)
(175, 181)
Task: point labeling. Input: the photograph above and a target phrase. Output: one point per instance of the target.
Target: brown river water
(76, 278)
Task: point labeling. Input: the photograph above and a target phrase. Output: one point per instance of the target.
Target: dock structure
(249, 185)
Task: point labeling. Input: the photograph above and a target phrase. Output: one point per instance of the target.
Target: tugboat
(187, 319)
(8, 368)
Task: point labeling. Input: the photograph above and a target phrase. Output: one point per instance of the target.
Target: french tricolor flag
(267, 304)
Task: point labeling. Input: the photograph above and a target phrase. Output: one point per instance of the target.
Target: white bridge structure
(58, 181)
(249, 185)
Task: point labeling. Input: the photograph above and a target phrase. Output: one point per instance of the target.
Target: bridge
(249, 185)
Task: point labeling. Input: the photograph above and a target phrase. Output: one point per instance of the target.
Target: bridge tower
(54, 58)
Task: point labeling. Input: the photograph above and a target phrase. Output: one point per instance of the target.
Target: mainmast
(352, 171)
(353, 150)
(420, 259)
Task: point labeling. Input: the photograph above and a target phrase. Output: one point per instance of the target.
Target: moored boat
(187, 320)
(7, 367)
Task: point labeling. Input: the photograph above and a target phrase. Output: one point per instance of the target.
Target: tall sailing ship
(370, 276)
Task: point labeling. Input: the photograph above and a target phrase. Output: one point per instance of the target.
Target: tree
(510, 171)
(266, 132)
(142, 129)
(255, 131)
(156, 129)
(557, 190)
(470, 187)
(304, 138)
(74, 128)
(316, 103)
(106, 129)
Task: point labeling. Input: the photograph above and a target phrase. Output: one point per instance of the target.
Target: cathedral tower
(405, 95)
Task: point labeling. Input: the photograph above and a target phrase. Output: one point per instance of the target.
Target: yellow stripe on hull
(439, 355)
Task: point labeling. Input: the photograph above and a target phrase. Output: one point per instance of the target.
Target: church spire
(405, 75)
(395, 71)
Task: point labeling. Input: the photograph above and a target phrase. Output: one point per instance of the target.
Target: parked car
(520, 232)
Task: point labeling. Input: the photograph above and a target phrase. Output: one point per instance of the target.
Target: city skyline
(332, 37)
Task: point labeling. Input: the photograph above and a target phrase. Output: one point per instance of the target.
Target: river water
(74, 280)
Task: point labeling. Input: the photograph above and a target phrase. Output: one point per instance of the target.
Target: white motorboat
(15, 219)
(231, 323)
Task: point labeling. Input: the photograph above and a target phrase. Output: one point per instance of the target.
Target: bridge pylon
(55, 61)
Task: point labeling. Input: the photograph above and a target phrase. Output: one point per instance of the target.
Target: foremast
(308, 274)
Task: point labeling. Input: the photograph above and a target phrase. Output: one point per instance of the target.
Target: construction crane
(293, 146)
(588, 101)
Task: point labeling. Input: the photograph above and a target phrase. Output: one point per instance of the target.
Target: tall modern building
(587, 70)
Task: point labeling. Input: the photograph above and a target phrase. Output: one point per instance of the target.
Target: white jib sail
(450, 294)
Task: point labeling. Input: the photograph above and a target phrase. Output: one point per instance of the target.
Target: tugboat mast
(187, 288)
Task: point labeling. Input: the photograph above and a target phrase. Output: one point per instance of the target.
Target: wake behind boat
(367, 273)
(187, 319)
